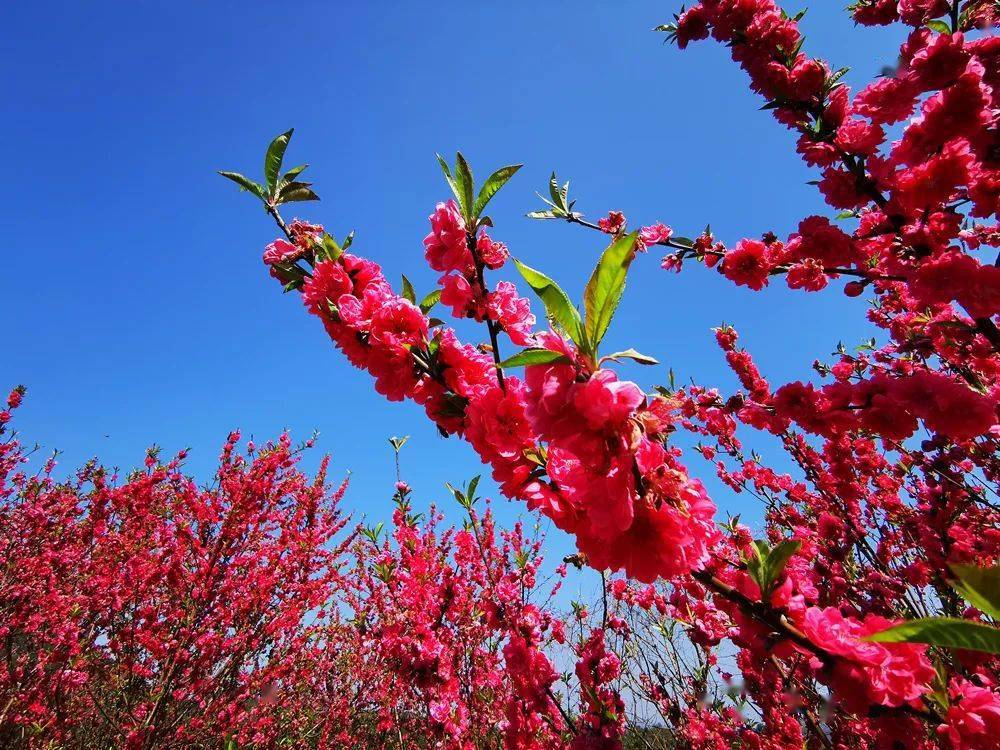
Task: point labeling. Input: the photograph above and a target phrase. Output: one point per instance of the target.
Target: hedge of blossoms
(896, 447)
(146, 612)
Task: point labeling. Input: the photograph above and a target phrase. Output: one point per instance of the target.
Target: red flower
(973, 720)
(747, 264)
(691, 26)
(445, 247)
(328, 282)
(856, 136)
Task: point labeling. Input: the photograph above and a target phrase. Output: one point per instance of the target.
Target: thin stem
(279, 221)
(491, 325)
(687, 252)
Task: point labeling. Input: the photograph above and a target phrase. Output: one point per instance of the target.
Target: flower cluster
(450, 248)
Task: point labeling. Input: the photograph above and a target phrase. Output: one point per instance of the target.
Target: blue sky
(138, 310)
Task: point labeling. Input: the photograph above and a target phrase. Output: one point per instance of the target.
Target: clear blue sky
(137, 307)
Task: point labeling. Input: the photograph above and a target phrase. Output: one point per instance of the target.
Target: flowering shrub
(895, 446)
(151, 613)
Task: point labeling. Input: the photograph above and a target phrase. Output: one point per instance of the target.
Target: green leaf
(463, 179)
(559, 194)
(408, 291)
(329, 247)
(470, 491)
(273, 158)
(605, 288)
(558, 307)
(528, 357)
(428, 302)
(246, 184)
(768, 564)
(980, 587)
(292, 173)
(632, 354)
(297, 191)
(939, 26)
(946, 632)
(541, 215)
(447, 175)
(779, 557)
(493, 183)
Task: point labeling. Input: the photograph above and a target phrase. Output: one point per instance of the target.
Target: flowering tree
(151, 613)
(891, 514)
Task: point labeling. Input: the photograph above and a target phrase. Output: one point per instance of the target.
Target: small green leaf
(534, 357)
(470, 492)
(605, 288)
(428, 302)
(980, 587)
(559, 194)
(447, 175)
(493, 183)
(463, 179)
(558, 307)
(779, 557)
(297, 191)
(246, 184)
(939, 26)
(329, 247)
(273, 158)
(554, 190)
(408, 291)
(767, 564)
(541, 215)
(946, 632)
(292, 173)
(632, 354)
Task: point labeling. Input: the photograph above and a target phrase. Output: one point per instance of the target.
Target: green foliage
(273, 157)
(492, 185)
(980, 587)
(604, 290)
(767, 563)
(528, 357)
(642, 359)
(275, 190)
(946, 632)
(466, 496)
(463, 187)
(408, 292)
(560, 311)
(560, 206)
(428, 302)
